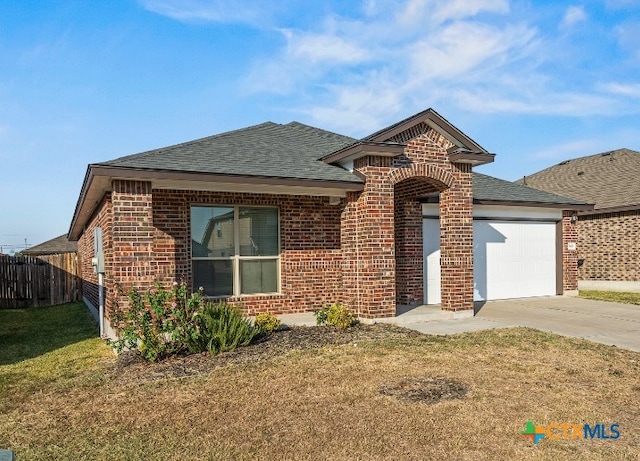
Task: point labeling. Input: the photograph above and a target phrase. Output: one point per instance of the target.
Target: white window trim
(236, 258)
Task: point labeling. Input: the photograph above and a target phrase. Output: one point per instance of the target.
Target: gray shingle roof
(54, 246)
(609, 179)
(494, 189)
(267, 150)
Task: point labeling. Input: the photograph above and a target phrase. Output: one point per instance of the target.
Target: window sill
(256, 297)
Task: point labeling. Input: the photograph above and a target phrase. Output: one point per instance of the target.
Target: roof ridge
(299, 125)
(584, 157)
(193, 141)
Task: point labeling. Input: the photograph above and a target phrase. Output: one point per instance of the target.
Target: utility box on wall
(98, 255)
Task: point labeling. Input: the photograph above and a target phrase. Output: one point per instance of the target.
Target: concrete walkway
(599, 321)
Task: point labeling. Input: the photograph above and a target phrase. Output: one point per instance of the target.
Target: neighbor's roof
(490, 189)
(268, 150)
(54, 246)
(609, 179)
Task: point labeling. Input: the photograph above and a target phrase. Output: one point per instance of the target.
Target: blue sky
(535, 82)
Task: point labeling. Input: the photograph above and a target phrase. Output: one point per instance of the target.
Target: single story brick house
(609, 234)
(55, 246)
(286, 218)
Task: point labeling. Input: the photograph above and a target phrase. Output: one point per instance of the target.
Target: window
(235, 250)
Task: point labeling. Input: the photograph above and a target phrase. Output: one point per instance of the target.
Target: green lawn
(618, 297)
(62, 397)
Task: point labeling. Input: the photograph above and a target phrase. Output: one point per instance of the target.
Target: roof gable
(392, 139)
(608, 179)
(427, 121)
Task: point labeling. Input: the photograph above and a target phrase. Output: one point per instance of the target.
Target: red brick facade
(609, 246)
(103, 218)
(366, 251)
(569, 252)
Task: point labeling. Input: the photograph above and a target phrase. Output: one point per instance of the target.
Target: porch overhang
(459, 154)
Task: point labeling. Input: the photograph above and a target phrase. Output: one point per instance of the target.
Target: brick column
(132, 253)
(369, 244)
(569, 256)
(456, 241)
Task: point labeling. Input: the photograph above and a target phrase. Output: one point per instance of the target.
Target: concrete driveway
(599, 321)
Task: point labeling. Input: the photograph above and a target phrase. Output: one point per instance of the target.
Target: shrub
(335, 315)
(267, 323)
(160, 322)
(225, 328)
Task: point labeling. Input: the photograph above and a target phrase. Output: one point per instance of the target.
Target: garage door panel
(522, 263)
(512, 259)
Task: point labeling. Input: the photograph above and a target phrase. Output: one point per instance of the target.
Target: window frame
(236, 258)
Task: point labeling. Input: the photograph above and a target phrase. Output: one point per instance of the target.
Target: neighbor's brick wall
(609, 244)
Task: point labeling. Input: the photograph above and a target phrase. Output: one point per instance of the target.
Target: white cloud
(224, 11)
(464, 49)
(319, 48)
(572, 16)
(628, 35)
(631, 90)
(386, 58)
(570, 149)
(620, 4)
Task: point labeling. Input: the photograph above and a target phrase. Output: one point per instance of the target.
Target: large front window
(235, 250)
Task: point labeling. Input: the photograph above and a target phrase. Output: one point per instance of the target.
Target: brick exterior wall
(152, 242)
(365, 252)
(569, 257)
(609, 245)
(383, 230)
(103, 218)
(408, 239)
(454, 181)
(369, 222)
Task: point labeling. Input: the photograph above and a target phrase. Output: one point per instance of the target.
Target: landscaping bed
(132, 366)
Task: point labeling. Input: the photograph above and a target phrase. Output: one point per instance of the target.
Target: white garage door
(512, 259)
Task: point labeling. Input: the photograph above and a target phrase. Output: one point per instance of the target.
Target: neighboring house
(62, 277)
(287, 218)
(609, 235)
(57, 245)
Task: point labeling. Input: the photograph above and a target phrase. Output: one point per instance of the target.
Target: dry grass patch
(323, 401)
(615, 296)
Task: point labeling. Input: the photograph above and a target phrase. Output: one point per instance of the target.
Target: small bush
(335, 315)
(267, 323)
(225, 328)
(161, 322)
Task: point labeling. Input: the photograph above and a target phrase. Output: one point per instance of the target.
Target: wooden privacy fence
(29, 281)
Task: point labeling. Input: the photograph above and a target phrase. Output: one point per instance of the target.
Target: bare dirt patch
(132, 366)
(425, 389)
